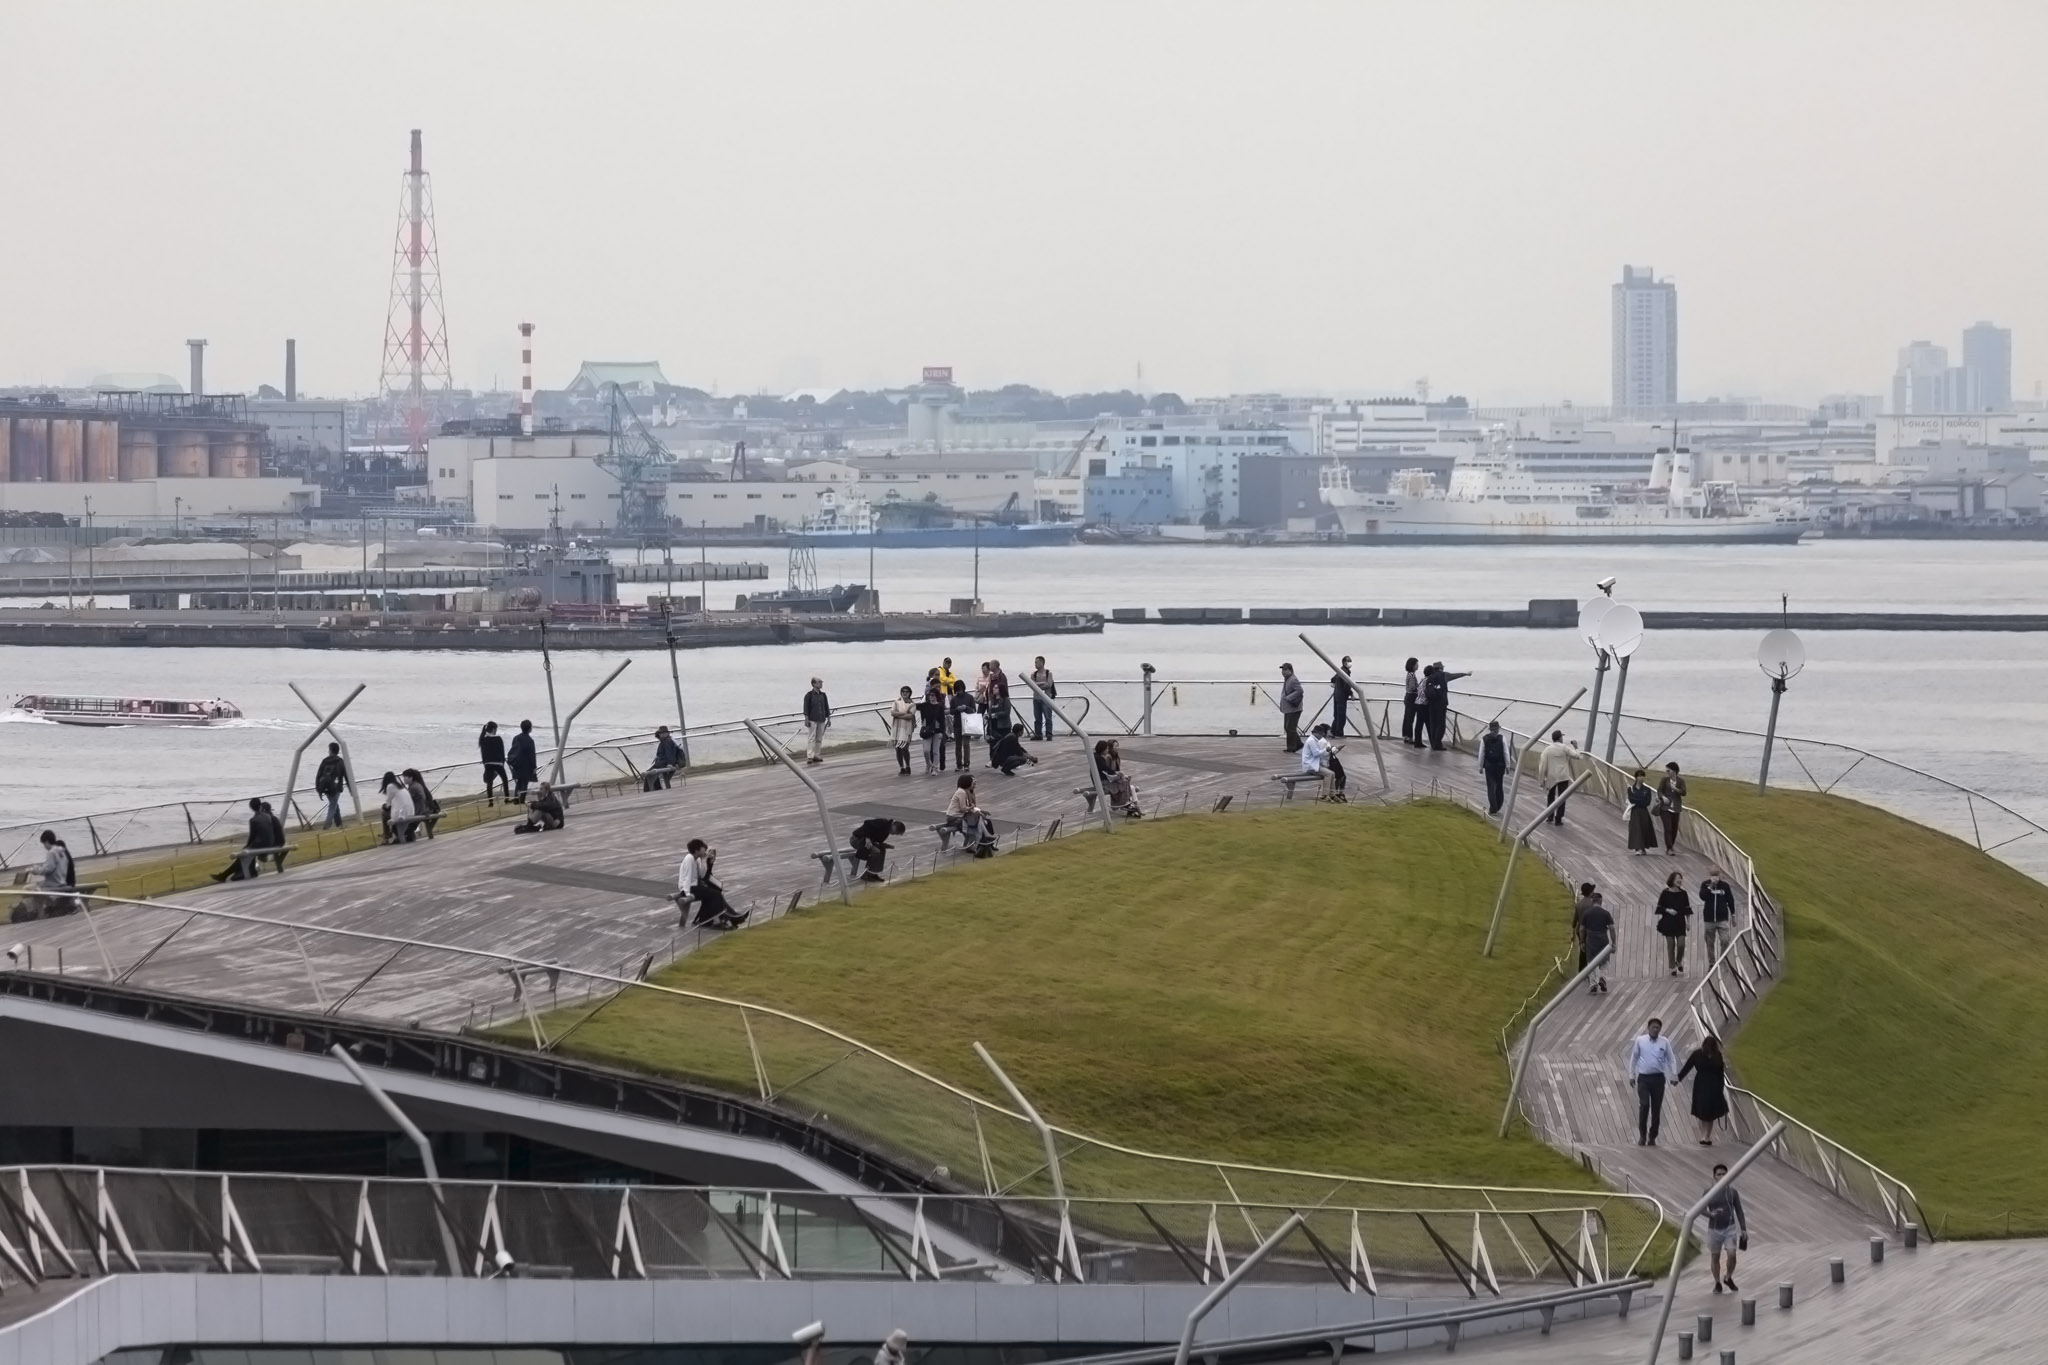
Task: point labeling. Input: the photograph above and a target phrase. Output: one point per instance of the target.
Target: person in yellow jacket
(946, 678)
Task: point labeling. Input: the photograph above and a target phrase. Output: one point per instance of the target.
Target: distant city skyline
(1924, 381)
(761, 197)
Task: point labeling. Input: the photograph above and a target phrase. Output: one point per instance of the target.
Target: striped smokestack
(526, 379)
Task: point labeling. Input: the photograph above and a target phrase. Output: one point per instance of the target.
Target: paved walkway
(594, 896)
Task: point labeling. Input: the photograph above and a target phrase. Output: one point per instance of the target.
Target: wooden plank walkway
(1959, 1301)
(593, 897)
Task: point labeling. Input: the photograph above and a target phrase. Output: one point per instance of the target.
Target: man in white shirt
(1319, 755)
(1651, 1066)
(1556, 768)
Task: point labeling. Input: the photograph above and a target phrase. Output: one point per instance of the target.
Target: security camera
(805, 1336)
(1606, 585)
(504, 1263)
(14, 955)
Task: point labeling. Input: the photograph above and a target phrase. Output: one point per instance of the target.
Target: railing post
(1520, 1063)
(1371, 734)
(1052, 1155)
(562, 736)
(1500, 901)
(1614, 721)
(1535, 737)
(1087, 746)
(1146, 715)
(775, 751)
(419, 1142)
(1230, 1282)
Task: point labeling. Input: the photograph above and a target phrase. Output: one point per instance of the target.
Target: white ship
(105, 711)
(1494, 496)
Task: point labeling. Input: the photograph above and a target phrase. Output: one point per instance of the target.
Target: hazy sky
(1338, 196)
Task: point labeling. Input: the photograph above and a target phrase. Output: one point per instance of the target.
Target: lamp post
(1780, 655)
(1589, 630)
(1621, 634)
(177, 516)
(91, 573)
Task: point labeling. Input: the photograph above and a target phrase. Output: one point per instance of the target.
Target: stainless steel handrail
(1894, 1207)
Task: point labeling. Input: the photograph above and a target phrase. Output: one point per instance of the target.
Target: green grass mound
(1912, 1024)
(1299, 989)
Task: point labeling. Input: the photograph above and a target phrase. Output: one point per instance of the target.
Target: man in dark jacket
(1290, 708)
(1493, 762)
(523, 760)
(490, 747)
(1007, 754)
(668, 756)
(1717, 914)
(1342, 690)
(328, 784)
(261, 837)
(1436, 695)
(817, 719)
(870, 843)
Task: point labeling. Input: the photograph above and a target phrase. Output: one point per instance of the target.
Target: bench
(825, 862)
(34, 902)
(277, 855)
(1289, 781)
(1087, 794)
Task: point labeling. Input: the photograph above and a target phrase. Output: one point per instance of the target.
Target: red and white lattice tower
(415, 327)
(526, 379)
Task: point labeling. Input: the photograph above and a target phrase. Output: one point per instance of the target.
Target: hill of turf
(1299, 988)
(1912, 1024)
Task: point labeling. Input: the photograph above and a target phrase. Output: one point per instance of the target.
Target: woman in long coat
(1709, 1072)
(1642, 830)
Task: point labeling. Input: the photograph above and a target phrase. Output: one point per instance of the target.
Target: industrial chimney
(198, 346)
(291, 370)
(526, 379)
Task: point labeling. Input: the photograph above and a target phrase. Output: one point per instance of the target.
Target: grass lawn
(1912, 1024)
(1299, 988)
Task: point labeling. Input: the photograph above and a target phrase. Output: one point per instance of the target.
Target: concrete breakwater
(517, 631)
(1563, 614)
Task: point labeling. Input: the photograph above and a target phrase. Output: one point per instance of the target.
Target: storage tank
(138, 454)
(67, 450)
(102, 451)
(185, 457)
(31, 449)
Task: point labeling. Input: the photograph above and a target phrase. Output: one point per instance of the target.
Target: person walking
(1290, 708)
(1555, 768)
(931, 714)
(490, 748)
(1709, 1072)
(1342, 690)
(1674, 922)
(1727, 1232)
(1041, 708)
(523, 759)
(1642, 832)
(966, 718)
(1436, 696)
(329, 783)
(1593, 925)
(668, 757)
(1411, 706)
(1493, 765)
(902, 728)
(1717, 915)
(817, 719)
(1670, 805)
(1650, 1065)
(870, 844)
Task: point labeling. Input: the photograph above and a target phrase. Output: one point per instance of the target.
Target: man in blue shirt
(1650, 1067)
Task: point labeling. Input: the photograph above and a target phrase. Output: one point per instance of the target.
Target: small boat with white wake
(106, 711)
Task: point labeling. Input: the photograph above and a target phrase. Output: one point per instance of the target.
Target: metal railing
(781, 1058)
(63, 1222)
(1861, 1182)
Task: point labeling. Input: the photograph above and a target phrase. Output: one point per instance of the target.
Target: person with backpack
(56, 874)
(328, 784)
(1493, 765)
(490, 747)
(668, 757)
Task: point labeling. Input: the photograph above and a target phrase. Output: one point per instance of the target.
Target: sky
(1333, 197)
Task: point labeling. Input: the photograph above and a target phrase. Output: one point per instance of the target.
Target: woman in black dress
(1709, 1086)
(1642, 831)
(1674, 919)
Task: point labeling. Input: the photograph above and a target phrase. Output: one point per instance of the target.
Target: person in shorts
(1727, 1232)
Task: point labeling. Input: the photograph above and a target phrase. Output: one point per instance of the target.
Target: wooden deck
(593, 896)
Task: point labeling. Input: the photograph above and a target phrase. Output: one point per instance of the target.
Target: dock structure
(1562, 614)
(215, 577)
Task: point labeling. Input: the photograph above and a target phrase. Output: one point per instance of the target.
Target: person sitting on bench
(965, 817)
(1319, 755)
(693, 882)
(870, 843)
(56, 875)
(1109, 766)
(544, 812)
(266, 832)
(398, 809)
(1007, 754)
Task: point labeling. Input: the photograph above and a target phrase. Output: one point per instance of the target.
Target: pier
(1563, 614)
(211, 577)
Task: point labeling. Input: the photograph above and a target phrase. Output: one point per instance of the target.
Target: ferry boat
(1495, 498)
(104, 711)
(853, 522)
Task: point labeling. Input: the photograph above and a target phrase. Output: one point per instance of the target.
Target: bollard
(1749, 1312)
(1837, 1272)
(1705, 1329)
(1785, 1294)
(1877, 1251)
(1685, 1346)
(1912, 1236)
(1727, 1358)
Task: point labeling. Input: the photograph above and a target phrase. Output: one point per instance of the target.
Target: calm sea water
(1972, 706)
